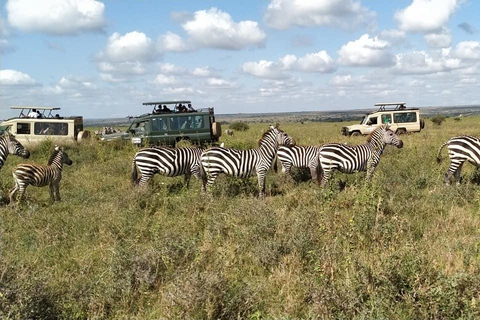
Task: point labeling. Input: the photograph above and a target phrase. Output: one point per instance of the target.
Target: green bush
(239, 126)
(438, 119)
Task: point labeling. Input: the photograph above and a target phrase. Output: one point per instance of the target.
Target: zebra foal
(244, 163)
(170, 162)
(40, 176)
(460, 149)
(300, 157)
(10, 145)
(364, 157)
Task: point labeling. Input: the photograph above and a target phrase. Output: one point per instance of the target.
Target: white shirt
(33, 114)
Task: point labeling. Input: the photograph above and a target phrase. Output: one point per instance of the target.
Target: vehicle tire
(355, 134)
(422, 123)
(401, 131)
(83, 135)
(217, 129)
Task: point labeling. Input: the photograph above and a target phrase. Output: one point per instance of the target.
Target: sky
(103, 59)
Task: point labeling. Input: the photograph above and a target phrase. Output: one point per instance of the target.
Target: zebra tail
(439, 154)
(134, 173)
(275, 164)
(203, 174)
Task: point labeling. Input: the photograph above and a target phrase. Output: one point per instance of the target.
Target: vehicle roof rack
(165, 102)
(398, 105)
(33, 107)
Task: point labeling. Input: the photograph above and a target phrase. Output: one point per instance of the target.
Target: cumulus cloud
(427, 16)
(170, 68)
(204, 72)
(10, 77)
(162, 79)
(57, 17)
(366, 51)
(468, 50)
(214, 28)
(347, 80)
(312, 62)
(393, 36)
(172, 42)
(282, 14)
(420, 62)
(442, 39)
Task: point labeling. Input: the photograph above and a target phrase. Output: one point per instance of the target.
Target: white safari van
(35, 124)
(401, 119)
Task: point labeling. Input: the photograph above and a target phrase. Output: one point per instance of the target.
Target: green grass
(405, 247)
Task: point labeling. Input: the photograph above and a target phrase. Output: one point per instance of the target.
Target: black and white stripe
(244, 163)
(300, 157)
(40, 176)
(365, 157)
(10, 145)
(460, 149)
(170, 162)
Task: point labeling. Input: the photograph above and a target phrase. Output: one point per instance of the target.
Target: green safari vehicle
(170, 122)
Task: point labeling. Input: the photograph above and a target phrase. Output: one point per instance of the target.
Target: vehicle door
(137, 131)
(372, 123)
(386, 118)
(159, 131)
(23, 131)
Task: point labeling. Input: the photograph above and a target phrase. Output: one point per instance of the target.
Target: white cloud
(56, 16)
(393, 36)
(420, 62)
(170, 68)
(312, 62)
(133, 46)
(366, 51)
(162, 79)
(172, 42)
(442, 39)
(348, 14)
(10, 77)
(204, 72)
(219, 83)
(468, 50)
(428, 16)
(216, 29)
(347, 80)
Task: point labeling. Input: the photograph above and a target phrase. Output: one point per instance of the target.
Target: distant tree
(457, 119)
(239, 126)
(438, 119)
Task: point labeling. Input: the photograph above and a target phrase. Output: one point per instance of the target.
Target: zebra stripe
(170, 162)
(300, 157)
(10, 145)
(460, 149)
(244, 163)
(365, 157)
(40, 176)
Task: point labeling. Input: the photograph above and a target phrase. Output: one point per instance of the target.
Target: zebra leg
(261, 183)
(187, 179)
(313, 172)
(211, 176)
(325, 177)
(145, 178)
(12, 194)
(52, 192)
(56, 188)
(457, 175)
(455, 166)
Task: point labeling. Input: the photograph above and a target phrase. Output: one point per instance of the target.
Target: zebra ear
(277, 125)
(272, 127)
(57, 148)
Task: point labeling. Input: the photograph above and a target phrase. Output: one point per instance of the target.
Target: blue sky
(104, 58)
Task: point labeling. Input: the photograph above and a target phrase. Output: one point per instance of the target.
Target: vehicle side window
(139, 127)
(373, 121)
(386, 118)
(198, 122)
(48, 128)
(405, 117)
(23, 128)
(159, 124)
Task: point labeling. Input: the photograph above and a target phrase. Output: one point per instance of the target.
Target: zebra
(167, 161)
(460, 149)
(39, 176)
(10, 145)
(244, 163)
(364, 157)
(300, 157)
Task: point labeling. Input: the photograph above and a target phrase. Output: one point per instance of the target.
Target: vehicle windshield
(364, 120)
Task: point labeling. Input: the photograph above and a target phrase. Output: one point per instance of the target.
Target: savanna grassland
(404, 247)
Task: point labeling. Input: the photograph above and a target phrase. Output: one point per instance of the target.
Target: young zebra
(40, 176)
(10, 145)
(365, 157)
(300, 157)
(244, 163)
(170, 162)
(460, 149)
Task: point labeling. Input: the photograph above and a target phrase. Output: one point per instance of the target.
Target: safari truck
(400, 118)
(36, 124)
(170, 122)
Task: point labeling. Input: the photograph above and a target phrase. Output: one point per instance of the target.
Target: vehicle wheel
(401, 131)
(355, 134)
(83, 135)
(422, 123)
(217, 129)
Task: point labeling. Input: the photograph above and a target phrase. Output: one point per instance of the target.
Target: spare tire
(216, 129)
(422, 123)
(83, 135)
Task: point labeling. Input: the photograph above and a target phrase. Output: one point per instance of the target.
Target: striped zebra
(10, 145)
(170, 162)
(364, 157)
(244, 163)
(460, 149)
(300, 157)
(40, 176)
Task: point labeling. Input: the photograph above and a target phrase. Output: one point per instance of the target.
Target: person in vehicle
(34, 114)
(166, 109)
(190, 108)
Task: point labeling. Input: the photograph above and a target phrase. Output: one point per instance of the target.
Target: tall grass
(405, 247)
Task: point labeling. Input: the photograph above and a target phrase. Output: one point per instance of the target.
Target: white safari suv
(401, 119)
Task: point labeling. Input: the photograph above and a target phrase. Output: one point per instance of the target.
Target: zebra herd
(207, 164)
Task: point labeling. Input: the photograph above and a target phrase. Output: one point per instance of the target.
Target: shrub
(239, 126)
(438, 119)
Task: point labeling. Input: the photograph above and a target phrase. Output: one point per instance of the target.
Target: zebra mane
(54, 155)
(266, 133)
(377, 129)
